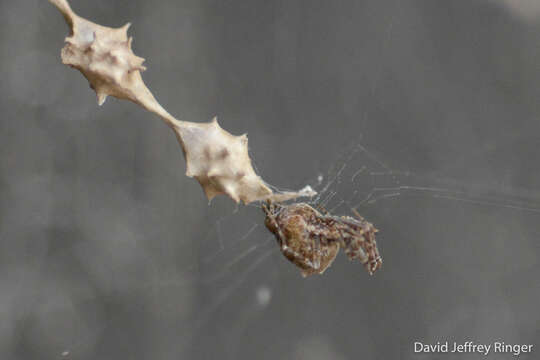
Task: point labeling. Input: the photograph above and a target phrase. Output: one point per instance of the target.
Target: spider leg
(322, 209)
(268, 209)
(341, 240)
(357, 214)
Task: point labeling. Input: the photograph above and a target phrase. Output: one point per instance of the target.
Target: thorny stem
(144, 96)
(216, 158)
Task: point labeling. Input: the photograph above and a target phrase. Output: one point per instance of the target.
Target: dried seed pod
(104, 56)
(312, 240)
(216, 158)
(220, 162)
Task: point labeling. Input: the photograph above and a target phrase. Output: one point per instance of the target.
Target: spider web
(359, 180)
(238, 256)
(237, 266)
(375, 181)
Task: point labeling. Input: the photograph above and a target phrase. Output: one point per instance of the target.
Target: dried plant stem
(216, 158)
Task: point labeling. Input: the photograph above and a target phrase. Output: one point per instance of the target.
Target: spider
(311, 239)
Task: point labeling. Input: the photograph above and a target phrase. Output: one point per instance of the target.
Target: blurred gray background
(107, 251)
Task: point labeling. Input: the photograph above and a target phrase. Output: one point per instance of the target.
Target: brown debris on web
(217, 159)
(312, 240)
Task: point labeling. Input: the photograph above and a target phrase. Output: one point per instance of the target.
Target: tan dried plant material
(216, 158)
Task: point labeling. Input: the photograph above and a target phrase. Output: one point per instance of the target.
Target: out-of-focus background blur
(423, 114)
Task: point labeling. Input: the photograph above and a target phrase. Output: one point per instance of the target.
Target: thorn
(243, 139)
(231, 191)
(101, 97)
(125, 27)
